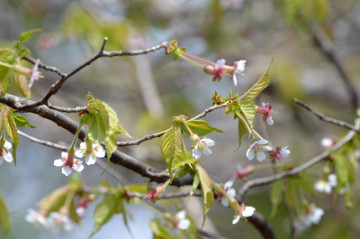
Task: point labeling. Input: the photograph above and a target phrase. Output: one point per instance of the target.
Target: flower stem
(198, 58)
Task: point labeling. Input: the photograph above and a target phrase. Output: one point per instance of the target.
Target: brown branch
(270, 179)
(151, 136)
(67, 109)
(333, 59)
(45, 67)
(56, 86)
(258, 221)
(326, 118)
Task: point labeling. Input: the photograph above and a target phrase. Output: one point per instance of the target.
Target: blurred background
(146, 91)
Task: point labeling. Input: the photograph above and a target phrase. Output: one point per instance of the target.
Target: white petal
(207, 151)
(240, 66)
(79, 167)
(228, 184)
(58, 162)
(260, 156)
(196, 153)
(7, 145)
(225, 201)
(250, 154)
(100, 152)
(64, 155)
(183, 224)
(267, 147)
(236, 219)
(8, 157)
(284, 152)
(219, 64)
(66, 170)
(89, 160)
(231, 192)
(234, 80)
(208, 142)
(262, 142)
(79, 153)
(269, 121)
(248, 211)
(83, 146)
(332, 180)
(181, 215)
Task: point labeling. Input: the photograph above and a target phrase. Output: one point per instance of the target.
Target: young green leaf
(5, 223)
(104, 211)
(276, 198)
(242, 130)
(199, 127)
(55, 200)
(196, 183)
(22, 52)
(248, 110)
(305, 184)
(159, 231)
(12, 133)
(292, 195)
(181, 158)
(171, 142)
(21, 121)
(206, 189)
(261, 84)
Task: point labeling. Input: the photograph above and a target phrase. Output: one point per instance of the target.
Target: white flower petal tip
(203, 146)
(259, 149)
(182, 222)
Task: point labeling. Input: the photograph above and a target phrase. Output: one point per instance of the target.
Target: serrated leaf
(22, 52)
(12, 133)
(261, 84)
(199, 127)
(21, 121)
(341, 170)
(55, 200)
(171, 142)
(276, 198)
(5, 223)
(74, 216)
(305, 184)
(242, 130)
(249, 111)
(104, 211)
(181, 158)
(206, 189)
(195, 184)
(104, 124)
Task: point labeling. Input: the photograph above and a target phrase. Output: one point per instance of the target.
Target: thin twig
(159, 134)
(44, 142)
(270, 179)
(326, 118)
(76, 109)
(56, 86)
(45, 67)
(333, 59)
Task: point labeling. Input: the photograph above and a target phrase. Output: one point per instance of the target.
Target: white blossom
(36, 218)
(259, 150)
(240, 68)
(66, 168)
(181, 221)
(312, 216)
(202, 146)
(5, 152)
(229, 192)
(324, 186)
(97, 152)
(248, 211)
(56, 221)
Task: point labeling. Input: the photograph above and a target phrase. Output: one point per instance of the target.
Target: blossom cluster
(68, 162)
(55, 221)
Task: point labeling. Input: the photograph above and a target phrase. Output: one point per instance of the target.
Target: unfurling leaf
(11, 131)
(199, 127)
(206, 189)
(242, 130)
(5, 224)
(20, 51)
(104, 211)
(21, 121)
(261, 84)
(276, 195)
(104, 124)
(22, 84)
(171, 143)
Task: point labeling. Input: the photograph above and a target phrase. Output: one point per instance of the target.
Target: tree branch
(327, 119)
(270, 179)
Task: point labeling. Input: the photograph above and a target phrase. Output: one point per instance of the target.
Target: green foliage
(110, 205)
(199, 127)
(276, 195)
(21, 121)
(7, 57)
(292, 194)
(159, 230)
(18, 45)
(172, 145)
(259, 86)
(5, 224)
(307, 10)
(9, 124)
(104, 124)
(206, 189)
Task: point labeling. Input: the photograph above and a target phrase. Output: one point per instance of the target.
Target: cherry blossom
(203, 146)
(246, 211)
(219, 72)
(326, 186)
(327, 142)
(229, 192)
(180, 221)
(68, 164)
(56, 221)
(259, 150)
(5, 153)
(36, 218)
(311, 216)
(280, 153)
(267, 111)
(239, 67)
(90, 157)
